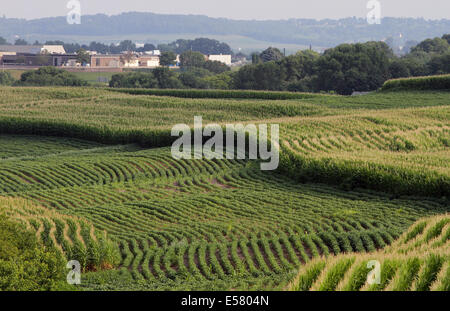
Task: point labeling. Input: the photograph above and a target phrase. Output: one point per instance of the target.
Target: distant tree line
(203, 45)
(343, 69)
(324, 33)
(195, 72)
(49, 76)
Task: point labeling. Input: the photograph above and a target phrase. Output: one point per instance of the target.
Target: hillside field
(419, 260)
(90, 171)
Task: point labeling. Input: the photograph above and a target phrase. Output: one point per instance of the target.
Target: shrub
(26, 265)
(50, 76)
(134, 80)
(6, 78)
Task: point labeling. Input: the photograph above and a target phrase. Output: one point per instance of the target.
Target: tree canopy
(167, 58)
(203, 45)
(271, 54)
(192, 59)
(49, 76)
(6, 78)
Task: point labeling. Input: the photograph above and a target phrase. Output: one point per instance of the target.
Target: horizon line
(227, 18)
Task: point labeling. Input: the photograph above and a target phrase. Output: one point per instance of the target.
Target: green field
(419, 260)
(93, 78)
(15, 73)
(93, 171)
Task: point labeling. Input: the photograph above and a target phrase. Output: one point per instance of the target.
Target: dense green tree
(281, 75)
(446, 37)
(224, 81)
(329, 72)
(99, 47)
(215, 67)
(6, 78)
(193, 77)
(83, 56)
(271, 54)
(398, 68)
(134, 80)
(353, 67)
(256, 59)
(416, 66)
(203, 45)
(167, 59)
(50, 76)
(166, 78)
(299, 65)
(127, 45)
(436, 45)
(266, 76)
(192, 59)
(3, 41)
(304, 85)
(147, 47)
(439, 64)
(20, 42)
(54, 42)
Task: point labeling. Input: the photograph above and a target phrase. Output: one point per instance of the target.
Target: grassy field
(355, 174)
(93, 78)
(15, 73)
(184, 223)
(396, 142)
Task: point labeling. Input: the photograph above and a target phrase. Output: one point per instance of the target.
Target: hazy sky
(236, 9)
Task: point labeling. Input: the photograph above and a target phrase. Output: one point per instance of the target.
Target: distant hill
(304, 32)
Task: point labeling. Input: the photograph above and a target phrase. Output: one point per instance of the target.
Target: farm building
(56, 60)
(34, 55)
(124, 60)
(33, 49)
(226, 59)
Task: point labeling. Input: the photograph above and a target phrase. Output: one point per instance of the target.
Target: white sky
(235, 9)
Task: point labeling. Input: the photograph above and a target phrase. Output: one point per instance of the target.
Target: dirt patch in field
(140, 169)
(215, 182)
(31, 177)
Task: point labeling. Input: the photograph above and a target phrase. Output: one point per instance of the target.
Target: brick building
(124, 60)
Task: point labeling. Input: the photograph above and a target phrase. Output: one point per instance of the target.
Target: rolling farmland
(90, 171)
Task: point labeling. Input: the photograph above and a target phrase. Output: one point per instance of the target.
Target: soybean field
(90, 171)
